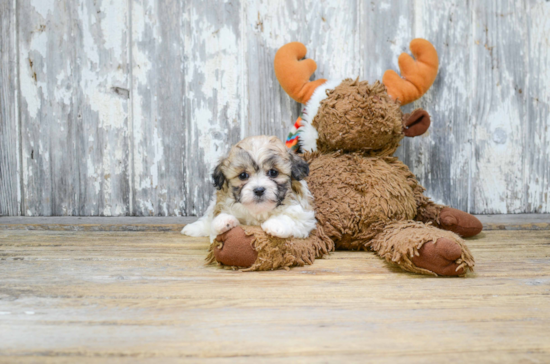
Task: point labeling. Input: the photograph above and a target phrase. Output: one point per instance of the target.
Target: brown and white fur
(260, 183)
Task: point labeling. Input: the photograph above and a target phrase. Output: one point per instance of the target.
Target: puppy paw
(277, 228)
(223, 223)
(197, 228)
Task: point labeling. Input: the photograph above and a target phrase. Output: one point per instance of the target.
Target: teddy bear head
(353, 115)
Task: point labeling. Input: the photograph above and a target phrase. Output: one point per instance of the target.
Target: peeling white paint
(157, 158)
(29, 90)
(141, 62)
(480, 123)
(44, 7)
(114, 15)
(497, 158)
(32, 55)
(402, 40)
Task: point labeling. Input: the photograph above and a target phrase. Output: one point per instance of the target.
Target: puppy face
(258, 173)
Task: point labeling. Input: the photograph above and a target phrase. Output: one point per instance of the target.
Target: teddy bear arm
(445, 217)
(252, 248)
(426, 210)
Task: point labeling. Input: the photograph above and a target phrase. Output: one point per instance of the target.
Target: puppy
(260, 183)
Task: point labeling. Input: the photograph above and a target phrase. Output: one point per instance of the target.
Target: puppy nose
(259, 191)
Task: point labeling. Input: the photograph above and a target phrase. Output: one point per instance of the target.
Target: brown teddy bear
(365, 198)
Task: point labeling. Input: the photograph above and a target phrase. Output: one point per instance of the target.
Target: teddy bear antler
(293, 72)
(418, 75)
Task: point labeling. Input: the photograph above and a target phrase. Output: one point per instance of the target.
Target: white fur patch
(202, 226)
(294, 222)
(308, 134)
(222, 223)
(297, 217)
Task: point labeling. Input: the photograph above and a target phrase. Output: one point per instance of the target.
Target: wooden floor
(93, 296)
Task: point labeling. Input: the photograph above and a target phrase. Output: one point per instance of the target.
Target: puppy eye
(243, 176)
(272, 173)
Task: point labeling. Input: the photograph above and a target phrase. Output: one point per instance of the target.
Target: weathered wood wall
(113, 108)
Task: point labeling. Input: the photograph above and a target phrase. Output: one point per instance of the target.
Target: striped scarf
(293, 138)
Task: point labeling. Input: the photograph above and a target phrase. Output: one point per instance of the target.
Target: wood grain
(273, 23)
(73, 63)
(441, 158)
(537, 98)
(126, 296)
(159, 126)
(173, 223)
(10, 189)
(215, 95)
(126, 106)
(499, 112)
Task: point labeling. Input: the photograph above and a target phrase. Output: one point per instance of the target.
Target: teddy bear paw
(235, 248)
(459, 222)
(440, 257)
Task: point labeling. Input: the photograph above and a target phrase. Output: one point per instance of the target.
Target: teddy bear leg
(250, 247)
(446, 218)
(420, 248)
(460, 222)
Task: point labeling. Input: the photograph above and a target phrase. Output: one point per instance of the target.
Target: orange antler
(293, 72)
(418, 75)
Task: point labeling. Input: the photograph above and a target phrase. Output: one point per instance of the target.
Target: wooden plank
(159, 126)
(536, 181)
(96, 223)
(441, 158)
(149, 296)
(202, 79)
(187, 66)
(125, 220)
(10, 191)
(515, 222)
(505, 355)
(500, 79)
(73, 62)
(330, 31)
(386, 28)
(215, 95)
(490, 222)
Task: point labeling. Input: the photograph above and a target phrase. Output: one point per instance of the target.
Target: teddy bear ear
(293, 72)
(418, 76)
(416, 123)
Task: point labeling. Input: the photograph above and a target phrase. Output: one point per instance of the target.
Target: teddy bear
(365, 198)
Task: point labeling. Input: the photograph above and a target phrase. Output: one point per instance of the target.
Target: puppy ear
(218, 176)
(299, 167)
